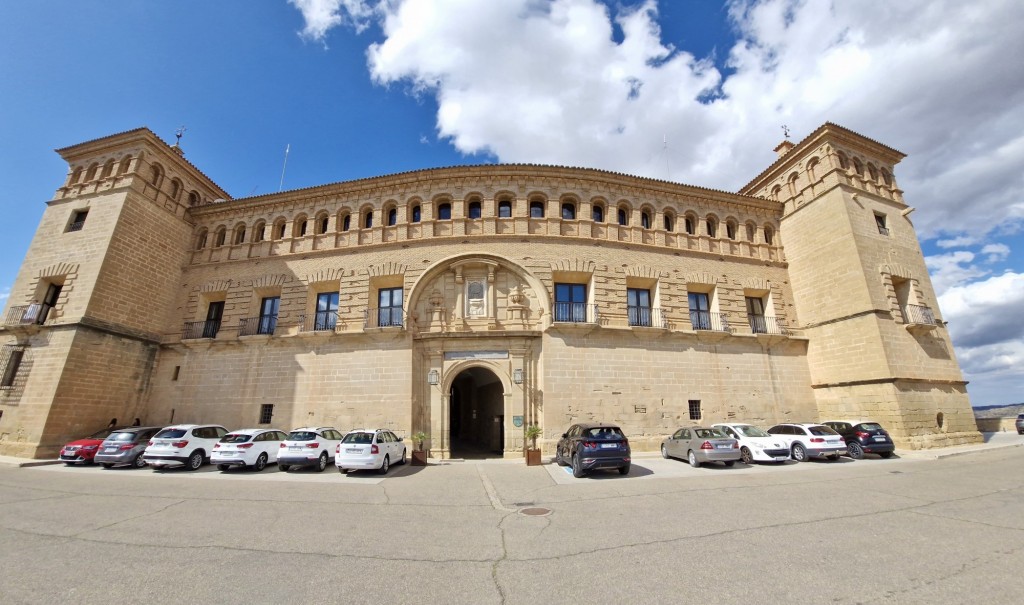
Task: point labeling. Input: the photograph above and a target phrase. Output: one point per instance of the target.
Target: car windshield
(751, 431)
(301, 436)
(870, 426)
(358, 438)
(708, 433)
(122, 437)
(604, 432)
(170, 434)
(235, 438)
(821, 430)
(101, 434)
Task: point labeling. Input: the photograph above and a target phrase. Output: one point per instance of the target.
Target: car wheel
(402, 460)
(664, 451)
(195, 461)
(729, 462)
(745, 456)
(384, 466)
(885, 454)
(261, 462)
(799, 453)
(624, 470)
(321, 462)
(559, 460)
(855, 450)
(139, 461)
(833, 457)
(693, 459)
(283, 467)
(223, 467)
(107, 465)
(577, 466)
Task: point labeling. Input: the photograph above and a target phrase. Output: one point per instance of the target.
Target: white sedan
(755, 444)
(369, 449)
(248, 448)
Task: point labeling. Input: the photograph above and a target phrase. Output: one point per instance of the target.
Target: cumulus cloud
(322, 15)
(996, 252)
(961, 241)
(948, 270)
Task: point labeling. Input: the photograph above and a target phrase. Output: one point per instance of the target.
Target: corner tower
(878, 348)
(86, 313)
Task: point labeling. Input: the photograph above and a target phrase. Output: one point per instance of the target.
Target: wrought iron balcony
(200, 329)
(384, 317)
(916, 314)
(321, 321)
(761, 324)
(575, 313)
(706, 320)
(76, 226)
(646, 317)
(35, 313)
(264, 324)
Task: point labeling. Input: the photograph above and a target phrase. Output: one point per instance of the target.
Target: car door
(683, 443)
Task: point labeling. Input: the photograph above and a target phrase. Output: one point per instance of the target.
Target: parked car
(83, 451)
(371, 449)
(810, 440)
(125, 446)
(1020, 424)
(864, 438)
(187, 445)
(309, 446)
(248, 448)
(594, 445)
(700, 444)
(756, 445)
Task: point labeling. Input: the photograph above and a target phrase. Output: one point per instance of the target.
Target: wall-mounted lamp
(433, 377)
(517, 376)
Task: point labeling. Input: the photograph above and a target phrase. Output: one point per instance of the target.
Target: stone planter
(419, 458)
(533, 457)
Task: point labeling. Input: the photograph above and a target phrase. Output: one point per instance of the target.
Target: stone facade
(468, 302)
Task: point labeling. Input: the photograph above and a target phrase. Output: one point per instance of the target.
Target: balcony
(321, 321)
(200, 329)
(706, 320)
(264, 324)
(384, 317)
(646, 317)
(919, 319)
(581, 313)
(27, 315)
(761, 324)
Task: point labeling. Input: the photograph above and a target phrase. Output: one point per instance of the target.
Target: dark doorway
(476, 415)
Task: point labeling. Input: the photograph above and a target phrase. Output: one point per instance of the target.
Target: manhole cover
(535, 511)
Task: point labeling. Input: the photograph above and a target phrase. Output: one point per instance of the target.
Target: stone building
(468, 302)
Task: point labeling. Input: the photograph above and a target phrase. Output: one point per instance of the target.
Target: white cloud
(322, 15)
(948, 270)
(962, 241)
(996, 252)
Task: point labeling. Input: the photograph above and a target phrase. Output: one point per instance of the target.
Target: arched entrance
(476, 413)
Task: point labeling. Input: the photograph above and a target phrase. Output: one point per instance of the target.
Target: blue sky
(360, 88)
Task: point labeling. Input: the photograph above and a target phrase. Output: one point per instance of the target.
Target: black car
(864, 438)
(593, 445)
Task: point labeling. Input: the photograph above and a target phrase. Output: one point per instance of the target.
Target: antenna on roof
(287, 148)
(178, 134)
(785, 131)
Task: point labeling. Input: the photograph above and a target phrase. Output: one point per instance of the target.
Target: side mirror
(399, 438)
(565, 435)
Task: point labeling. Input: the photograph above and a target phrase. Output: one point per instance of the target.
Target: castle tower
(86, 313)
(878, 348)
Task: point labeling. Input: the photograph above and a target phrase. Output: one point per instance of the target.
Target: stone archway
(476, 414)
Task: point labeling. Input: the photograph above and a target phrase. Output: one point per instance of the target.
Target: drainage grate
(535, 511)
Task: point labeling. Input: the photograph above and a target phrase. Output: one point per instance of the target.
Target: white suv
(810, 440)
(371, 449)
(248, 448)
(187, 445)
(309, 446)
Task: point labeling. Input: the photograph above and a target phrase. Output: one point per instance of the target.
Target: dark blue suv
(593, 445)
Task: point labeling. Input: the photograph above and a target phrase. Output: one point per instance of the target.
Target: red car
(84, 450)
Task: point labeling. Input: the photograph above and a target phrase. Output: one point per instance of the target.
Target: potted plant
(533, 452)
(419, 455)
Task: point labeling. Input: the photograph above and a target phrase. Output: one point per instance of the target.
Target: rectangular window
(266, 413)
(638, 306)
(755, 314)
(326, 311)
(10, 360)
(880, 223)
(504, 209)
(177, 371)
(269, 307)
(78, 220)
(571, 303)
(700, 311)
(694, 409)
(214, 313)
(389, 311)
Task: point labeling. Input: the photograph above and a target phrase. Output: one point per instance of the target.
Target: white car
(755, 444)
(248, 448)
(309, 446)
(369, 449)
(187, 445)
(810, 440)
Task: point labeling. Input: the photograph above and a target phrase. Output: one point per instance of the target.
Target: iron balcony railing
(264, 324)
(916, 314)
(761, 324)
(706, 320)
(76, 226)
(646, 317)
(35, 313)
(321, 321)
(575, 313)
(383, 317)
(201, 329)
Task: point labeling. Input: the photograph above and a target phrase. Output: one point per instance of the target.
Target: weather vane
(785, 131)
(178, 133)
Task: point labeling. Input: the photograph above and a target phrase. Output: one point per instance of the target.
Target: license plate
(879, 438)
(352, 451)
(227, 453)
(295, 448)
(724, 447)
(604, 446)
(110, 449)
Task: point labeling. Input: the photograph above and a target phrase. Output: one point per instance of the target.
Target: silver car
(125, 446)
(700, 444)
